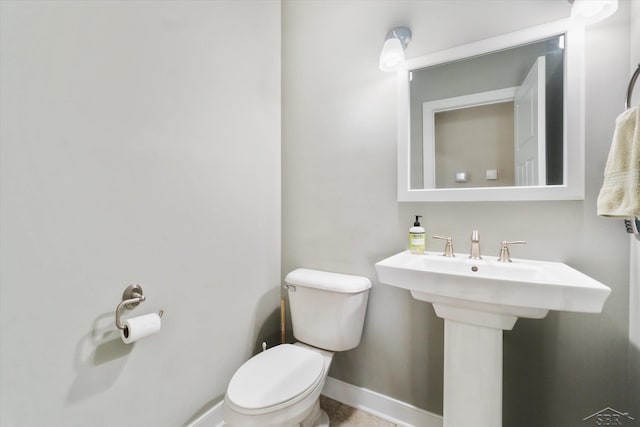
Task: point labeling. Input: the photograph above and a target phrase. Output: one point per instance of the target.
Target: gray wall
(127, 158)
(340, 211)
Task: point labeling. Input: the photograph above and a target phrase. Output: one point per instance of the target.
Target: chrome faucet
(475, 245)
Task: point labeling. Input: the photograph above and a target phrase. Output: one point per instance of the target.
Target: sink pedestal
(472, 375)
(472, 366)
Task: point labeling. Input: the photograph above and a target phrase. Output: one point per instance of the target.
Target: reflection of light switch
(492, 174)
(461, 177)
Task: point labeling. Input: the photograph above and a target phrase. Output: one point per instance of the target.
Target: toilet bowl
(281, 386)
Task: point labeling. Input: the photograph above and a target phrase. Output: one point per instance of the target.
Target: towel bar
(632, 83)
(632, 225)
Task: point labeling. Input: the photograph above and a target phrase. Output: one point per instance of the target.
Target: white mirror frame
(573, 121)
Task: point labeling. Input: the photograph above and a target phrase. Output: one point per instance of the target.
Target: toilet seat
(274, 379)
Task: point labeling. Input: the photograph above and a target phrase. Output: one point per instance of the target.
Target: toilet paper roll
(139, 327)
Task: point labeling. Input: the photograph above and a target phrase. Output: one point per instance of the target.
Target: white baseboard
(211, 418)
(384, 407)
(381, 406)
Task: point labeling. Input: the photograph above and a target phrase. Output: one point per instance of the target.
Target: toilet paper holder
(131, 298)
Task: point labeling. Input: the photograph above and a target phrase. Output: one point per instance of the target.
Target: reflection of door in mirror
(530, 125)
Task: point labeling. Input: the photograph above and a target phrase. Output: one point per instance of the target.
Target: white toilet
(281, 386)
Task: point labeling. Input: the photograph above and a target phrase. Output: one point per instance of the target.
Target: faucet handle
(448, 248)
(505, 256)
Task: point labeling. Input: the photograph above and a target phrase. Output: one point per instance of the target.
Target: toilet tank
(327, 309)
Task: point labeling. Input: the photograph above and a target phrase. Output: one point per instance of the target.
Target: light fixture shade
(393, 50)
(392, 54)
(591, 11)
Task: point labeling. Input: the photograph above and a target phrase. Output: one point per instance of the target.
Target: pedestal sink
(478, 299)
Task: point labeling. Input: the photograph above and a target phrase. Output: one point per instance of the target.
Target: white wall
(340, 211)
(140, 143)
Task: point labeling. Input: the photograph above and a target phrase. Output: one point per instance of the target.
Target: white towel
(620, 193)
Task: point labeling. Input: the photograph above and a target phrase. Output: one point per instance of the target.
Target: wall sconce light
(592, 11)
(393, 50)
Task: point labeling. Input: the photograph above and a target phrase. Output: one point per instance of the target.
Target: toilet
(281, 386)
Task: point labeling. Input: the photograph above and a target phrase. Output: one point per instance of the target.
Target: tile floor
(341, 415)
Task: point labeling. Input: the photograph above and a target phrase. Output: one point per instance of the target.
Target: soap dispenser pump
(416, 237)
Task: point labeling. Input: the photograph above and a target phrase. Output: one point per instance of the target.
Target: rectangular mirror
(498, 119)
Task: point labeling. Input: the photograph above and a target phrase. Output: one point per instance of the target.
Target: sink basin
(479, 299)
(523, 288)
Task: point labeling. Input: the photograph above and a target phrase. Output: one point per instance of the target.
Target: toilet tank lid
(334, 282)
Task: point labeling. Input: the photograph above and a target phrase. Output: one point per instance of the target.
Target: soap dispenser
(416, 237)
